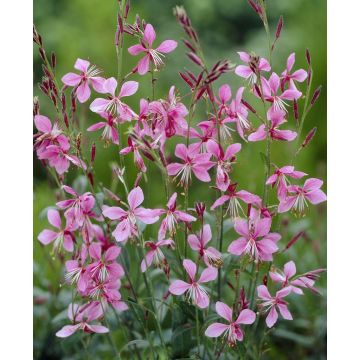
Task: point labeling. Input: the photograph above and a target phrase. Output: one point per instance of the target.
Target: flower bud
(200, 209)
(279, 27)
(194, 58)
(53, 60)
(42, 53)
(296, 111)
(316, 95)
(308, 57)
(248, 106)
(92, 154)
(309, 137)
(294, 240)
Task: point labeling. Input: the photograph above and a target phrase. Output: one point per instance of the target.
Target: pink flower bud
(315, 96)
(279, 27)
(309, 137)
(195, 59)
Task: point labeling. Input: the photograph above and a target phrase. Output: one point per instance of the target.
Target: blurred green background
(85, 29)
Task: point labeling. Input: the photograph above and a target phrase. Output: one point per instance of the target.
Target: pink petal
(209, 274)
(264, 65)
(286, 204)
(194, 242)
(201, 299)
(181, 152)
(231, 151)
(276, 277)
(67, 330)
(225, 93)
(83, 92)
(145, 263)
(272, 317)
(172, 201)
(43, 123)
(96, 126)
(246, 317)
(262, 227)
(220, 201)
(263, 292)
(243, 71)
(149, 34)
(167, 46)
(122, 231)
(290, 269)
(54, 218)
(136, 49)
(284, 311)
(98, 83)
(71, 79)
(99, 105)
(290, 62)
(178, 287)
(114, 213)
(190, 268)
(98, 329)
(135, 198)
(95, 251)
(47, 236)
(242, 227)
(244, 56)
(129, 88)
(201, 173)
(237, 247)
(81, 65)
(291, 94)
(110, 85)
(224, 311)
(258, 135)
(183, 216)
(216, 329)
(312, 184)
(143, 65)
(316, 196)
(147, 216)
(283, 292)
(112, 253)
(174, 168)
(274, 82)
(206, 234)
(299, 75)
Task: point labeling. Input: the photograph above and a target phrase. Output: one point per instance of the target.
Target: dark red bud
(189, 46)
(316, 95)
(186, 79)
(127, 9)
(53, 60)
(93, 153)
(66, 120)
(200, 209)
(309, 137)
(296, 111)
(279, 27)
(294, 240)
(42, 53)
(308, 57)
(248, 106)
(195, 59)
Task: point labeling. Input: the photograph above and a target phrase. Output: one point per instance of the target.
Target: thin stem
(197, 329)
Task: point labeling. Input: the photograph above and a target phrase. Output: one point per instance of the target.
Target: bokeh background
(85, 29)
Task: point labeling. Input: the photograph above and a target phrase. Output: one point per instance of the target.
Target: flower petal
(224, 311)
(178, 287)
(216, 329)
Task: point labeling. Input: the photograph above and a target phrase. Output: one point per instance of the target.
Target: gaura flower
(271, 303)
(270, 92)
(232, 331)
(195, 292)
(114, 104)
(155, 255)
(82, 316)
(251, 231)
(193, 162)
(309, 192)
(110, 132)
(63, 237)
(288, 77)
(277, 118)
(76, 270)
(198, 243)
(88, 75)
(151, 54)
(127, 219)
(224, 161)
(134, 148)
(253, 64)
(172, 217)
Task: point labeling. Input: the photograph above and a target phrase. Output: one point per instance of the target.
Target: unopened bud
(93, 153)
(315, 96)
(255, 6)
(53, 60)
(309, 137)
(189, 46)
(194, 58)
(265, 280)
(279, 27)
(308, 57)
(200, 209)
(248, 106)
(66, 119)
(296, 111)
(294, 240)
(127, 9)
(42, 53)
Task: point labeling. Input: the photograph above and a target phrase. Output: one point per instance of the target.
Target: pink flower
(47, 135)
(224, 161)
(172, 217)
(286, 76)
(105, 265)
(76, 270)
(79, 205)
(233, 331)
(134, 148)
(309, 192)
(194, 162)
(277, 118)
(254, 64)
(63, 237)
(110, 133)
(233, 197)
(82, 316)
(198, 242)
(207, 132)
(155, 255)
(194, 291)
(270, 93)
(251, 230)
(81, 81)
(114, 105)
(270, 303)
(127, 226)
(153, 55)
(279, 178)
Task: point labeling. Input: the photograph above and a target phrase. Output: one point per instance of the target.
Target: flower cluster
(95, 231)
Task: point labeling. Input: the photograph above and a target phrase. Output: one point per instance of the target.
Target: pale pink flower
(193, 162)
(277, 118)
(232, 331)
(298, 196)
(110, 132)
(270, 92)
(127, 219)
(76, 270)
(233, 197)
(134, 148)
(253, 64)
(288, 77)
(104, 265)
(251, 231)
(115, 105)
(81, 205)
(207, 132)
(219, 125)
(155, 255)
(82, 317)
(63, 238)
(88, 75)
(279, 179)
(195, 292)
(198, 242)
(271, 303)
(151, 54)
(224, 161)
(172, 217)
